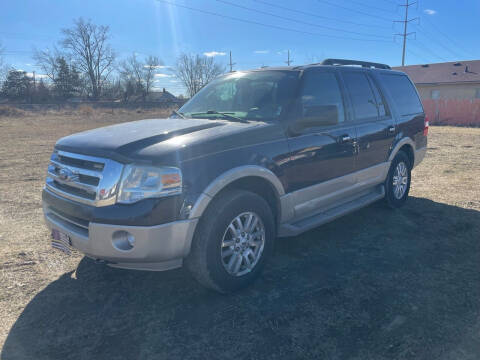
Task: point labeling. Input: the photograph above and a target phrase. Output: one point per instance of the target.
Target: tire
(209, 262)
(394, 196)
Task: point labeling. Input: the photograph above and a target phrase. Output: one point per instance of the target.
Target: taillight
(425, 127)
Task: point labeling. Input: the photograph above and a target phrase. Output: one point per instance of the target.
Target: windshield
(256, 95)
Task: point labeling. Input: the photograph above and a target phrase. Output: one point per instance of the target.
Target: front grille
(81, 163)
(86, 179)
(74, 190)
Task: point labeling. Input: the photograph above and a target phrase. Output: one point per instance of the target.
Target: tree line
(84, 65)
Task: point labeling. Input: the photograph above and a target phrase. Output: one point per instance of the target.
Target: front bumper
(159, 247)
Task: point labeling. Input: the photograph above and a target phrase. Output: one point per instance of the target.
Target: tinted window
(321, 96)
(381, 104)
(363, 100)
(403, 94)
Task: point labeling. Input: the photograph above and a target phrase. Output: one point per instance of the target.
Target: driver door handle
(345, 138)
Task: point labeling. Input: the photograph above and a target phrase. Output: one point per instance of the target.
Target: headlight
(142, 182)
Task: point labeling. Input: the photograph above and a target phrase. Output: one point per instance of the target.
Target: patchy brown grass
(10, 111)
(377, 284)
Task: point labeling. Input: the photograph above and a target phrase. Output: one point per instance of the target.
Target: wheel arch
(406, 145)
(252, 178)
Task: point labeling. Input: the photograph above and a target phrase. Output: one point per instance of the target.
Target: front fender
(230, 176)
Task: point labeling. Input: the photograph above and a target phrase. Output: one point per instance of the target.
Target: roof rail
(365, 64)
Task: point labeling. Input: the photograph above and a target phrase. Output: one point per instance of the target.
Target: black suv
(254, 155)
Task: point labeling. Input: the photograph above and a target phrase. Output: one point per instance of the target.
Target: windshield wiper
(226, 115)
(179, 114)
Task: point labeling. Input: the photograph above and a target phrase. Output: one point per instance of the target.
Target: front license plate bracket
(61, 241)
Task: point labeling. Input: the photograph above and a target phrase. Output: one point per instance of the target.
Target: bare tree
(89, 48)
(131, 72)
(47, 61)
(196, 71)
(152, 63)
(138, 76)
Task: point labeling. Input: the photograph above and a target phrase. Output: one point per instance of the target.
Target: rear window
(403, 93)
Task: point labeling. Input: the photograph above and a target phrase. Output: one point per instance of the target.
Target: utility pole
(289, 61)
(405, 24)
(231, 63)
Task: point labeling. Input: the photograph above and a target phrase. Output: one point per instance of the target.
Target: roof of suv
(334, 62)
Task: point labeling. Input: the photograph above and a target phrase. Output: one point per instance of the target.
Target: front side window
(321, 98)
(362, 96)
(256, 95)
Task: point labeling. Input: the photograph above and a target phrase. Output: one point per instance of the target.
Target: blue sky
(258, 32)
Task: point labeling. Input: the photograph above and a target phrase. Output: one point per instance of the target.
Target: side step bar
(300, 226)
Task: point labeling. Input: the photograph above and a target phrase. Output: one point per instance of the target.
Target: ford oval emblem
(68, 175)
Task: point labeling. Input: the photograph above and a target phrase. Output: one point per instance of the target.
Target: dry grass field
(376, 284)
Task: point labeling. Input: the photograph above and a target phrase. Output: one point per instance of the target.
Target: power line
(371, 7)
(405, 25)
(426, 33)
(266, 25)
(13, 52)
(423, 50)
(354, 10)
(299, 21)
(448, 38)
(318, 16)
(429, 50)
(415, 54)
(391, 1)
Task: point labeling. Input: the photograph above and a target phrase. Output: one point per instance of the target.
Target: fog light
(123, 240)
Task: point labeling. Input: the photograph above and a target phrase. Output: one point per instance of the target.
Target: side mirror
(318, 115)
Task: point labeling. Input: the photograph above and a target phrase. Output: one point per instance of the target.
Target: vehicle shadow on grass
(376, 284)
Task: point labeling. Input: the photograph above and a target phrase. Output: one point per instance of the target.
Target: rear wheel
(233, 240)
(397, 184)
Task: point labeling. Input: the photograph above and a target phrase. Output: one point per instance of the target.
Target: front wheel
(397, 184)
(233, 240)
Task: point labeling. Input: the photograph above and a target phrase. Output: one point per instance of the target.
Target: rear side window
(381, 105)
(321, 94)
(403, 93)
(361, 94)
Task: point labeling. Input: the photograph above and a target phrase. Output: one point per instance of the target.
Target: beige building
(450, 80)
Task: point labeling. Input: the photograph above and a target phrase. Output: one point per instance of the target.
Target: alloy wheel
(243, 243)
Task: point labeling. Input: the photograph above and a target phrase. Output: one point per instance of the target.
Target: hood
(148, 140)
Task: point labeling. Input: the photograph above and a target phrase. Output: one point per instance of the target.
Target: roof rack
(365, 64)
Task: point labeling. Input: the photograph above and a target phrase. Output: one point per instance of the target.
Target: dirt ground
(377, 284)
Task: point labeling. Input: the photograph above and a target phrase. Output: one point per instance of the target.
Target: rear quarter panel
(411, 125)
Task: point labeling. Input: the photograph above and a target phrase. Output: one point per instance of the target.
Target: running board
(305, 224)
